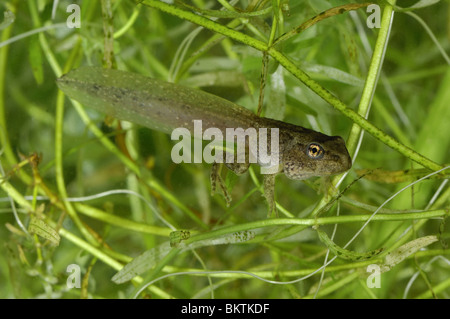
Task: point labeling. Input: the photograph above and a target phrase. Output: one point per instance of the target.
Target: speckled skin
(165, 106)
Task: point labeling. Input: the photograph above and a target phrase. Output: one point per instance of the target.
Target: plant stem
(59, 120)
(372, 76)
(4, 138)
(366, 101)
(314, 221)
(121, 222)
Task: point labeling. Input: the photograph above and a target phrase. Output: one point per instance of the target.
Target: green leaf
(9, 18)
(41, 228)
(177, 236)
(141, 263)
(418, 5)
(228, 13)
(226, 78)
(148, 259)
(345, 253)
(276, 97)
(397, 256)
(424, 3)
(35, 58)
(332, 73)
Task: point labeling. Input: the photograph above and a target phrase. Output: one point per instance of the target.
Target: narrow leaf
(148, 259)
(397, 256)
(35, 58)
(177, 236)
(41, 228)
(9, 18)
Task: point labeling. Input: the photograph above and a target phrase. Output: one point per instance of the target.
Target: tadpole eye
(315, 151)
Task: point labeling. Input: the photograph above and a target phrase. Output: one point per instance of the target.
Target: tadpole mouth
(345, 159)
(348, 161)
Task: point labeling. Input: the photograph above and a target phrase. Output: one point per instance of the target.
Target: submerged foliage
(79, 189)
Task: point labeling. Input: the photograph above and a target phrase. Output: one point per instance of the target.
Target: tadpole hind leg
(269, 194)
(217, 179)
(235, 166)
